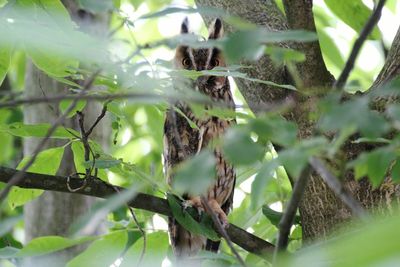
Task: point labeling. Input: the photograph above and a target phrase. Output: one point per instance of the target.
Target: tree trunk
(53, 213)
(320, 209)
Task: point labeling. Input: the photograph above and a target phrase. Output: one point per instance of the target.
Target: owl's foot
(194, 202)
(216, 209)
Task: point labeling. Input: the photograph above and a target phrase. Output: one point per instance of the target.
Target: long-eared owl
(181, 141)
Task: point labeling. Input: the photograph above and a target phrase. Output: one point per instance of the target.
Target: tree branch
(313, 70)
(100, 189)
(287, 219)
(369, 26)
(338, 188)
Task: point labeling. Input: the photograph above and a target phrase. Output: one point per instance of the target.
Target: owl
(181, 141)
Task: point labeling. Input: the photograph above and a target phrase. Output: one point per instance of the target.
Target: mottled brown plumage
(182, 141)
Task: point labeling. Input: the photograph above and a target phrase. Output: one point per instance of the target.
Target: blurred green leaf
(282, 55)
(65, 104)
(5, 57)
(48, 244)
(103, 251)
(96, 6)
(156, 250)
(372, 244)
(36, 130)
(239, 148)
(373, 164)
(275, 216)
(47, 162)
(185, 219)
(8, 223)
(263, 177)
(195, 183)
(295, 158)
(275, 129)
(396, 171)
(354, 113)
(88, 223)
(354, 13)
(250, 44)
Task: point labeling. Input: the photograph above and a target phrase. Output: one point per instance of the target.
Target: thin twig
(368, 27)
(222, 231)
(285, 104)
(334, 184)
(287, 219)
(18, 177)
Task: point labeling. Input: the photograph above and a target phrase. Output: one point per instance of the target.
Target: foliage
(134, 62)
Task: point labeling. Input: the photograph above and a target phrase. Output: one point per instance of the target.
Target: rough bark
(321, 210)
(53, 212)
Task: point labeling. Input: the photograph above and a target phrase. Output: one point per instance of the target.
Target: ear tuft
(185, 26)
(216, 29)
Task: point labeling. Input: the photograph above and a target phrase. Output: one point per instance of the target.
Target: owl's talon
(216, 209)
(193, 203)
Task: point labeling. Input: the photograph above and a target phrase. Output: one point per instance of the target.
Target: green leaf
(5, 58)
(355, 113)
(263, 177)
(295, 158)
(8, 223)
(354, 247)
(249, 44)
(282, 55)
(374, 164)
(275, 129)
(185, 219)
(65, 104)
(156, 250)
(396, 171)
(102, 252)
(354, 13)
(87, 223)
(48, 244)
(195, 182)
(36, 130)
(8, 252)
(47, 162)
(275, 216)
(239, 148)
(96, 6)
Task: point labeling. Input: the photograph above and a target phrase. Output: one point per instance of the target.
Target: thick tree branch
(391, 69)
(313, 70)
(338, 188)
(369, 26)
(98, 188)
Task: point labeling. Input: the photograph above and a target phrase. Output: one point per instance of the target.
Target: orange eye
(214, 62)
(186, 62)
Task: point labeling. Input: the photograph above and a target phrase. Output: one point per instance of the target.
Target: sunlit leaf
(37, 130)
(354, 13)
(48, 244)
(103, 251)
(47, 162)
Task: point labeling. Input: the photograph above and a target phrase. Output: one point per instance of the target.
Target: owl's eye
(186, 62)
(214, 62)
